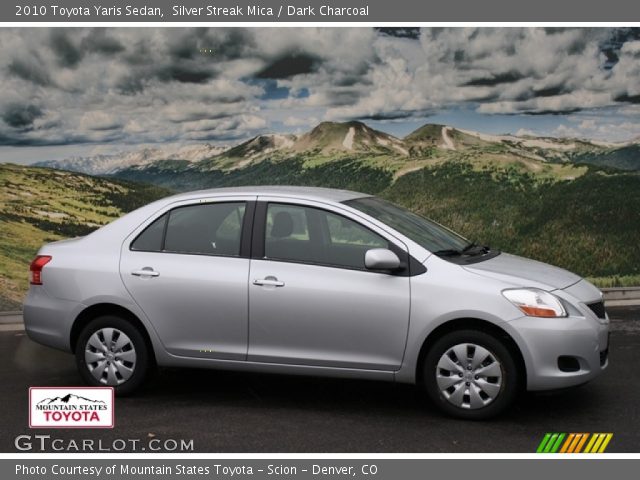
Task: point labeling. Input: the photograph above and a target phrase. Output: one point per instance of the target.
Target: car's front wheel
(110, 351)
(470, 374)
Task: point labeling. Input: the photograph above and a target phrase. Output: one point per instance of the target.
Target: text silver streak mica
(316, 282)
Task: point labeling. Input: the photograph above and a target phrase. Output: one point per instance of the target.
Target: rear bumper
(48, 320)
(543, 341)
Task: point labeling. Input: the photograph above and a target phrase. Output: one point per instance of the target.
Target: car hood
(524, 272)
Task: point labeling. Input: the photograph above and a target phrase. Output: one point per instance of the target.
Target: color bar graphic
(574, 442)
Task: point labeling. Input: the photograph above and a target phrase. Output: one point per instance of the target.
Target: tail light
(35, 269)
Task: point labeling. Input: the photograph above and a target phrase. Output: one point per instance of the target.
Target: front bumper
(542, 341)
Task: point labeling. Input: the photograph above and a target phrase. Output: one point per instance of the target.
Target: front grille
(598, 309)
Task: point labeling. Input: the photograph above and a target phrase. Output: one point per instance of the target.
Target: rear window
(213, 228)
(150, 240)
(209, 229)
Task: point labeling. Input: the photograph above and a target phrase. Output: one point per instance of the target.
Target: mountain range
(568, 202)
(330, 140)
(68, 399)
(104, 164)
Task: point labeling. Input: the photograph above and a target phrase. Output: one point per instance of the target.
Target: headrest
(282, 225)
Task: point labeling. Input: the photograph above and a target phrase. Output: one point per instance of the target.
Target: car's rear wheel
(470, 374)
(112, 352)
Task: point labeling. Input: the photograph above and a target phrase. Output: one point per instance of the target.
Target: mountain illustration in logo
(68, 399)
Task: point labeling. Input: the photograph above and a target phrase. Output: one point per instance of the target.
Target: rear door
(311, 300)
(188, 272)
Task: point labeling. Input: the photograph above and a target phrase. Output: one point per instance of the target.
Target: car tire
(480, 385)
(111, 352)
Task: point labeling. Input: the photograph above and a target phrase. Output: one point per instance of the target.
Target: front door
(312, 302)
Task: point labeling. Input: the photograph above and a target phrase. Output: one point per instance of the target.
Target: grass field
(40, 205)
(615, 281)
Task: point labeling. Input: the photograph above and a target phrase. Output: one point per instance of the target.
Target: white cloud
(589, 124)
(292, 121)
(524, 132)
(99, 120)
(599, 129)
(153, 85)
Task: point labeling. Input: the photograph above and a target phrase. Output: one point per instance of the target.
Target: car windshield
(426, 233)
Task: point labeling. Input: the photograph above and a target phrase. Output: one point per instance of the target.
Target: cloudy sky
(82, 91)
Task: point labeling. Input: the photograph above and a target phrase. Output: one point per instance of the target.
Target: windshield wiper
(449, 252)
(472, 249)
(475, 249)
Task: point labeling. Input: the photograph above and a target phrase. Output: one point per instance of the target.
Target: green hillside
(555, 200)
(39, 205)
(624, 158)
(569, 202)
(347, 173)
(589, 225)
(583, 218)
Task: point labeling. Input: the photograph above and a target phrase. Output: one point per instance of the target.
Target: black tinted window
(312, 235)
(427, 233)
(287, 234)
(343, 231)
(213, 228)
(150, 240)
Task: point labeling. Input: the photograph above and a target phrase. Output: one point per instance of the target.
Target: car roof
(310, 193)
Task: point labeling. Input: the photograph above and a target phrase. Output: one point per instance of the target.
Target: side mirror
(381, 259)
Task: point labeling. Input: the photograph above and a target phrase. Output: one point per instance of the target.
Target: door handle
(145, 272)
(268, 282)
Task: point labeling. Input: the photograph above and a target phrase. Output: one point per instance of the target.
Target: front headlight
(534, 302)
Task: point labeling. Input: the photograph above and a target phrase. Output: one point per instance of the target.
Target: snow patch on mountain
(402, 150)
(111, 163)
(528, 141)
(283, 141)
(448, 143)
(348, 139)
(488, 137)
(604, 144)
(546, 144)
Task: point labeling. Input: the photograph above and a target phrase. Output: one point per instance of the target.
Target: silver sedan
(314, 281)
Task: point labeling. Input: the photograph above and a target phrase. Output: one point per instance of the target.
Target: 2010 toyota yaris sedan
(314, 281)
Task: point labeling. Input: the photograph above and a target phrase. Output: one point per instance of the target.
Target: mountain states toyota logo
(71, 407)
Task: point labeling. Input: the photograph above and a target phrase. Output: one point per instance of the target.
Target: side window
(312, 235)
(287, 234)
(150, 240)
(231, 227)
(212, 228)
(348, 241)
(345, 232)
